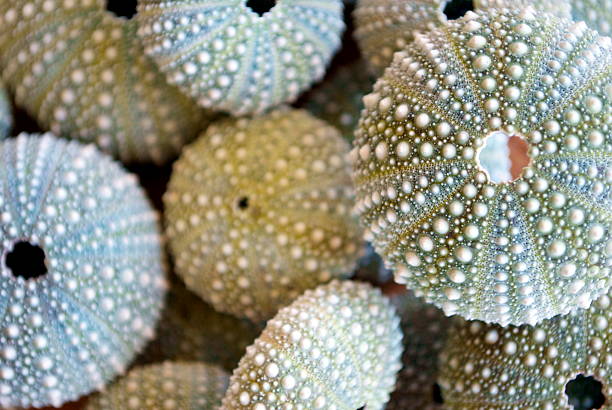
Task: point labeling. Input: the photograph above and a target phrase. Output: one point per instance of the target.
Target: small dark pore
(585, 393)
(26, 261)
(457, 8)
(122, 8)
(261, 7)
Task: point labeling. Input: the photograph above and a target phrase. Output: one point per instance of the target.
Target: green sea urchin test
(335, 347)
(233, 58)
(81, 72)
(526, 367)
(169, 385)
(6, 119)
(505, 251)
(81, 270)
(259, 210)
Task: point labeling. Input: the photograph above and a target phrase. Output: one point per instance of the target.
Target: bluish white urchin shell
(425, 328)
(339, 99)
(386, 26)
(259, 210)
(6, 118)
(507, 252)
(596, 13)
(82, 73)
(230, 58)
(81, 270)
(487, 366)
(335, 347)
(191, 330)
(169, 385)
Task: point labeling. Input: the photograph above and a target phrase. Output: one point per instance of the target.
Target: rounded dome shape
(169, 385)
(337, 346)
(596, 13)
(6, 118)
(386, 26)
(191, 330)
(259, 210)
(230, 58)
(526, 367)
(507, 252)
(82, 73)
(81, 270)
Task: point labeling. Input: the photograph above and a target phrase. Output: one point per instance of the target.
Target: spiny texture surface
(69, 331)
(191, 330)
(487, 366)
(559, 8)
(510, 252)
(259, 210)
(81, 72)
(170, 385)
(6, 118)
(425, 328)
(335, 347)
(596, 13)
(339, 99)
(230, 58)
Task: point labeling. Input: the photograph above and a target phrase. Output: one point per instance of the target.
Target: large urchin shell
(596, 13)
(337, 346)
(515, 252)
(169, 385)
(191, 330)
(487, 366)
(6, 118)
(82, 73)
(230, 58)
(386, 26)
(259, 210)
(68, 332)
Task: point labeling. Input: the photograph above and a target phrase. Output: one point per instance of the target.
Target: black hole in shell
(261, 7)
(122, 8)
(243, 203)
(436, 392)
(457, 8)
(585, 393)
(26, 261)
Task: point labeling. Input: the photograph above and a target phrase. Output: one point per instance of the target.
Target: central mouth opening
(455, 9)
(585, 393)
(122, 8)
(261, 7)
(26, 261)
(503, 157)
(243, 203)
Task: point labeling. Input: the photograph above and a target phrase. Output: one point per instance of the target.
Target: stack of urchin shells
(238, 294)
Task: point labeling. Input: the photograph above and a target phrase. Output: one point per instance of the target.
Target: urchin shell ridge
(337, 346)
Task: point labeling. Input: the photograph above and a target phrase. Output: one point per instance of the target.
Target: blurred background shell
(81, 73)
(169, 385)
(231, 57)
(337, 346)
(82, 270)
(259, 210)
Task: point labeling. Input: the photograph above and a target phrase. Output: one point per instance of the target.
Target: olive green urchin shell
(335, 347)
(81, 72)
(487, 366)
(259, 210)
(72, 329)
(191, 330)
(425, 328)
(6, 119)
(169, 385)
(339, 99)
(386, 26)
(230, 58)
(515, 252)
(596, 13)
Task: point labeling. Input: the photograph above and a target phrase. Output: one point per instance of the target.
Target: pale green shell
(230, 58)
(70, 331)
(169, 385)
(335, 347)
(81, 73)
(296, 229)
(191, 330)
(509, 253)
(6, 118)
(487, 366)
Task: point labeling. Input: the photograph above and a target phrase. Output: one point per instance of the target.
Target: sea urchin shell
(81, 270)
